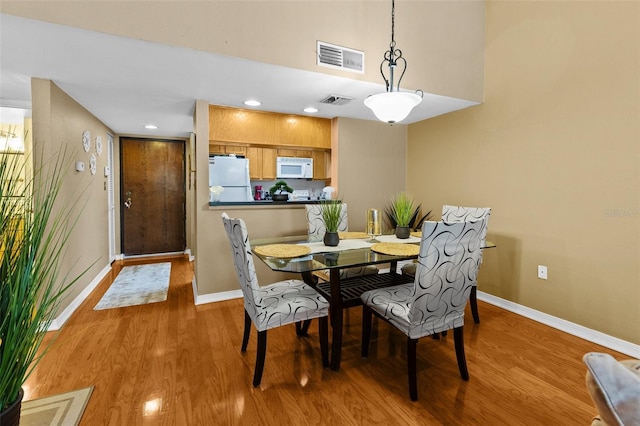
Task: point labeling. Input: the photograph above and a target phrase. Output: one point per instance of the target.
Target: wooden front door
(152, 196)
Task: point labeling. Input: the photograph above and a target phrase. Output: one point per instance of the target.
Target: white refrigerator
(232, 174)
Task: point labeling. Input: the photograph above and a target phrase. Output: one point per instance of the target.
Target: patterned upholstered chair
(614, 387)
(281, 303)
(454, 214)
(446, 271)
(316, 230)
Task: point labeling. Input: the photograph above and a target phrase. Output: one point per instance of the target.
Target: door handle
(127, 203)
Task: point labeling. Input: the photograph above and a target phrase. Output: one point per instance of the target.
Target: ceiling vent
(336, 100)
(333, 56)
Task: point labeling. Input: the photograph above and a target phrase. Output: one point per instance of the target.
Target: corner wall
(555, 151)
(371, 165)
(58, 124)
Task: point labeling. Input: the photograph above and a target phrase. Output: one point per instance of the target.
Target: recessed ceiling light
(310, 109)
(150, 126)
(252, 102)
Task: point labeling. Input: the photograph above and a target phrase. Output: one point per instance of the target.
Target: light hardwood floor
(174, 363)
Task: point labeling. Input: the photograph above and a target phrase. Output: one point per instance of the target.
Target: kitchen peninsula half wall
(263, 221)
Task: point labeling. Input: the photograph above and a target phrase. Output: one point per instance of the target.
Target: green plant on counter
(280, 186)
(33, 233)
(403, 212)
(331, 211)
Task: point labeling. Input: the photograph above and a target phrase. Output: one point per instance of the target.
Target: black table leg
(336, 319)
(335, 313)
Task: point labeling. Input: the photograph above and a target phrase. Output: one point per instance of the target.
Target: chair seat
(394, 304)
(286, 302)
(409, 269)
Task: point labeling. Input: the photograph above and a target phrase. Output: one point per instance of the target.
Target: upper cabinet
(262, 163)
(223, 149)
(231, 125)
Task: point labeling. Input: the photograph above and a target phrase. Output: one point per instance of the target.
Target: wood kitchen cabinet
(320, 165)
(239, 125)
(297, 153)
(297, 130)
(262, 163)
(224, 149)
(231, 125)
(269, 163)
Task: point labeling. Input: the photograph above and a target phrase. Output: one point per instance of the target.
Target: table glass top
(351, 257)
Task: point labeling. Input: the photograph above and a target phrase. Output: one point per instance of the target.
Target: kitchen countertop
(262, 203)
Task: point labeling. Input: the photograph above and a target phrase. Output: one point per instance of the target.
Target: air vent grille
(334, 56)
(336, 100)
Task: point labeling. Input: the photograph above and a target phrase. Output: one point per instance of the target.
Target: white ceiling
(128, 83)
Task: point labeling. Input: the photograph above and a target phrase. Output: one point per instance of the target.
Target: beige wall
(555, 151)
(442, 40)
(371, 165)
(58, 123)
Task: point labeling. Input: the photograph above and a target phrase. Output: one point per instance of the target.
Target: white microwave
(293, 167)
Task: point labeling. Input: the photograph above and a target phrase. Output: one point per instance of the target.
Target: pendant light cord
(393, 21)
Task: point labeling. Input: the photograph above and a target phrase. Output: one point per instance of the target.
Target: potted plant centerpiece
(404, 215)
(277, 189)
(331, 211)
(32, 235)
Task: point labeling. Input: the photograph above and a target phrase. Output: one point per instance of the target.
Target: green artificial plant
(403, 212)
(331, 211)
(280, 186)
(33, 233)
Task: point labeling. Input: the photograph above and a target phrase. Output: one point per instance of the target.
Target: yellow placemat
(416, 234)
(282, 250)
(352, 235)
(396, 249)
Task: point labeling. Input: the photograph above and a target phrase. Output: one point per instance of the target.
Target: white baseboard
(569, 327)
(188, 253)
(151, 255)
(201, 299)
(59, 321)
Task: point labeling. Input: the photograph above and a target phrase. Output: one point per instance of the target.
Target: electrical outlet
(542, 272)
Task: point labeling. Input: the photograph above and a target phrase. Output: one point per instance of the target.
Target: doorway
(152, 194)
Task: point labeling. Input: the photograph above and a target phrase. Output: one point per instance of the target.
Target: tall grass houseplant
(33, 232)
(331, 210)
(404, 214)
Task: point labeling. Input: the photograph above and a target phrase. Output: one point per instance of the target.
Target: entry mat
(137, 285)
(65, 409)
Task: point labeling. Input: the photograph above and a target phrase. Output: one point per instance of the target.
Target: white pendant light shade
(392, 107)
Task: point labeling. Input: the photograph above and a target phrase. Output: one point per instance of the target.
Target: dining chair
(454, 214)
(274, 305)
(446, 271)
(316, 230)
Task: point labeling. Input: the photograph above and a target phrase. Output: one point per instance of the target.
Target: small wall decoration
(92, 164)
(86, 140)
(99, 145)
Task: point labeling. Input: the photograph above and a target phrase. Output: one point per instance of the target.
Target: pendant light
(393, 105)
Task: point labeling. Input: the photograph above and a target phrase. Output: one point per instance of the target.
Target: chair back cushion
(243, 261)
(447, 268)
(315, 224)
(614, 387)
(454, 214)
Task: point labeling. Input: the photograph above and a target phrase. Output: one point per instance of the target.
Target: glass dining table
(341, 293)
